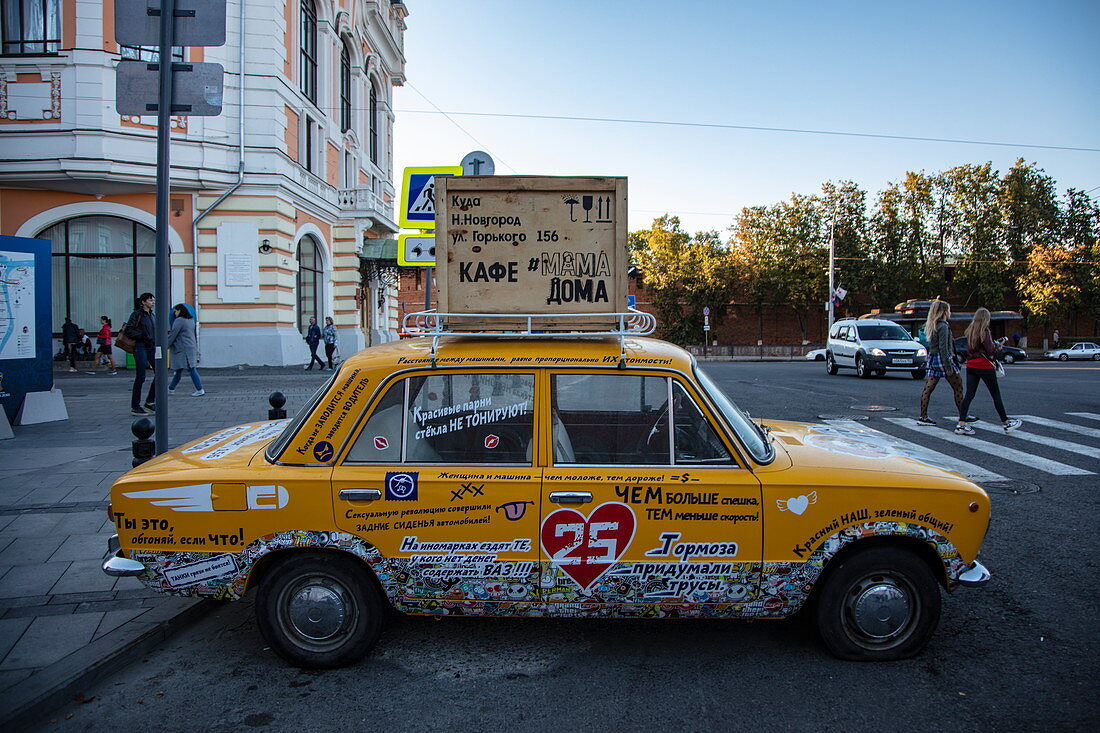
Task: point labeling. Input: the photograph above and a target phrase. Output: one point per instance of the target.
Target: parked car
(1080, 350)
(1007, 354)
(873, 346)
(815, 355)
(555, 476)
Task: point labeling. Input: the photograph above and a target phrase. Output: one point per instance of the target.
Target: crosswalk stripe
(1088, 415)
(1009, 454)
(969, 470)
(1079, 429)
(1065, 445)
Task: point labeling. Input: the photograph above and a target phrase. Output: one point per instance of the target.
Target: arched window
(345, 87)
(308, 70)
(310, 283)
(100, 264)
(373, 112)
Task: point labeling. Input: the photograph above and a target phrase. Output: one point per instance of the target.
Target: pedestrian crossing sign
(418, 195)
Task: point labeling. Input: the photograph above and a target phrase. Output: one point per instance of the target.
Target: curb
(51, 687)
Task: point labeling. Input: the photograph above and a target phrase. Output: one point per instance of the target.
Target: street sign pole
(428, 288)
(164, 138)
(832, 285)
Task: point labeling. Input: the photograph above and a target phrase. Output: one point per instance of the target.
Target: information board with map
(532, 244)
(25, 315)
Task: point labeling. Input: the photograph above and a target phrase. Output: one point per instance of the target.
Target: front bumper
(891, 362)
(975, 575)
(118, 566)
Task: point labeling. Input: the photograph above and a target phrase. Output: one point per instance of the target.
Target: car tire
(878, 604)
(319, 611)
(1096, 357)
(919, 374)
(1009, 359)
(861, 368)
(830, 365)
(1063, 357)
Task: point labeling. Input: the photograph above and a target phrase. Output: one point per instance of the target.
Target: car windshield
(891, 332)
(276, 446)
(751, 434)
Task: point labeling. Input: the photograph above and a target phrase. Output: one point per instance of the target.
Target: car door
(645, 506)
(440, 479)
(845, 349)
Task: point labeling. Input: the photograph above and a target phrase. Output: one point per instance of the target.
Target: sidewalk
(62, 620)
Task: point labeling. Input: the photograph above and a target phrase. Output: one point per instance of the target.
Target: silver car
(873, 346)
(1082, 350)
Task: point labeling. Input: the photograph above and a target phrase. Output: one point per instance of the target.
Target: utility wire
(460, 127)
(752, 128)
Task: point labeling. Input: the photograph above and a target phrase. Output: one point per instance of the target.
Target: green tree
(978, 249)
(1031, 218)
(843, 217)
(682, 274)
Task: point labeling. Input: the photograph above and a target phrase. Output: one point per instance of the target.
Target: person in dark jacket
(313, 338)
(141, 327)
(981, 351)
(331, 340)
(70, 339)
(941, 359)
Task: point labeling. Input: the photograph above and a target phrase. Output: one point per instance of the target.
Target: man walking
(313, 338)
(70, 338)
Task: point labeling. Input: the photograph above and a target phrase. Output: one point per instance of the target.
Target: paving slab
(50, 638)
(31, 580)
(80, 547)
(83, 576)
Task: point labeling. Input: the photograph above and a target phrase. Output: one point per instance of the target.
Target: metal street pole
(164, 121)
(832, 285)
(428, 288)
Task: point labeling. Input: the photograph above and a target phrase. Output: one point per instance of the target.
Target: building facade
(272, 203)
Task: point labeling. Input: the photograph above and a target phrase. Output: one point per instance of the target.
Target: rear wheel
(1009, 359)
(319, 611)
(861, 368)
(1096, 357)
(878, 604)
(830, 364)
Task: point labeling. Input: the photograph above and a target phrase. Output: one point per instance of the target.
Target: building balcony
(362, 202)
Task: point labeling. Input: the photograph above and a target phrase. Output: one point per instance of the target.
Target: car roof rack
(631, 322)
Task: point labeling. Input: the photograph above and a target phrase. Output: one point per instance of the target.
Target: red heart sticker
(585, 548)
(492, 441)
(381, 443)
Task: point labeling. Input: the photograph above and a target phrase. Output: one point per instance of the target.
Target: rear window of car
(891, 332)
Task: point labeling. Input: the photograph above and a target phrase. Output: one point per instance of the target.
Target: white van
(873, 346)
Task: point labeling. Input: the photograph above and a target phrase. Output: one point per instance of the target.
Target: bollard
(277, 400)
(143, 448)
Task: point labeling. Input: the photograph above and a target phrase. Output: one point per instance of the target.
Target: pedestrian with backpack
(981, 367)
(941, 359)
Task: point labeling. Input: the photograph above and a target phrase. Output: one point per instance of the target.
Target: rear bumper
(118, 566)
(974, 575)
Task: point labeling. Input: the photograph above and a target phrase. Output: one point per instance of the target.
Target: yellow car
(552, 476)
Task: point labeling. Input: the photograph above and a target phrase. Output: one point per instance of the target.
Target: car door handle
(571, 497)
(360, 494)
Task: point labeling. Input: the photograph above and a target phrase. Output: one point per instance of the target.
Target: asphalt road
(1018, 654)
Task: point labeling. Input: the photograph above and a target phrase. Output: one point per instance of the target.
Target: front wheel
(861, 368)
(319, 611)
(879, 604)
(1063, 357)
(830, 365)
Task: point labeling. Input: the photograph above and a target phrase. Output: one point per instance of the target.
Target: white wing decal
(194, 498)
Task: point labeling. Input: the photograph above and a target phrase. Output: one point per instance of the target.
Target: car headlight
(922, 351)
(878, 352)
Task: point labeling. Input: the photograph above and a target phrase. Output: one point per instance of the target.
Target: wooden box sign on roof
(531, 244)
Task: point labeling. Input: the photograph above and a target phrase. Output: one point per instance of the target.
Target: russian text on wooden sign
(532, 244)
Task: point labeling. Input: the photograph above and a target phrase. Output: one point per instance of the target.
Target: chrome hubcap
(881, 609)
(317, 612)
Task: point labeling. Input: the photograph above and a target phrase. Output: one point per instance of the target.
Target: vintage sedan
(556, 476)
(1080, 350)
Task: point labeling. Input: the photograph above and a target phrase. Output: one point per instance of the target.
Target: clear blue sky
(1004, 71)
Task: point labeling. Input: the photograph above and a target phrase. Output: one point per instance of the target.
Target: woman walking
(141, 327)
(981, 350)
(103, 353)
(331, 339)
(941, 359)
(183, 342)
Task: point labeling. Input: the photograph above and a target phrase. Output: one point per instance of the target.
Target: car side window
(610, 419)
(695, 440)
(451, 418)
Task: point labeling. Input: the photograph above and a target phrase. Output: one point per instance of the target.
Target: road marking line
(1037, 462)
(940, 460)
(1088, 415)
(1080, 429)
(1083, 450)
